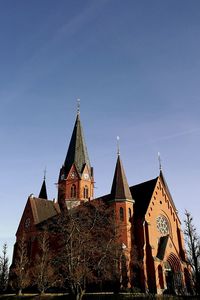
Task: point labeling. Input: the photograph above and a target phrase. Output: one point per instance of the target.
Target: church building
(147, 211)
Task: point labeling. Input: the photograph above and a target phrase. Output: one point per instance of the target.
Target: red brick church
(146, 210)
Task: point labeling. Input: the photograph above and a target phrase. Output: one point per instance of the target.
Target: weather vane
(118, 150)
(78, 106)
(159, 161)
(45, 172)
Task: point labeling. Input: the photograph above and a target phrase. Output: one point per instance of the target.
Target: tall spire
(120, 188)
(76, 178)
(77, 152)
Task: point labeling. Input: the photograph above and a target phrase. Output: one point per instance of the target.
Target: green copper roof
(77, 152)
(120, 188)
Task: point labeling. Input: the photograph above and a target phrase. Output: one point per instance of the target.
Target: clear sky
(136, 67)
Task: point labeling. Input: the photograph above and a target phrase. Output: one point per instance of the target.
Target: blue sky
(136, 67)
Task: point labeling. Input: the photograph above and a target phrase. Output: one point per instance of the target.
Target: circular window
(162, 225)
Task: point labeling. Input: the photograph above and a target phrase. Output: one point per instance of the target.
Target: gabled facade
(36, 211)
(158, 237)
(150, 229)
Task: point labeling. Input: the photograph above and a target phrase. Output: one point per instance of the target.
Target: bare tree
(19, 274)
(193, 250)
(3, 269)
(42, 273)
(89, 251)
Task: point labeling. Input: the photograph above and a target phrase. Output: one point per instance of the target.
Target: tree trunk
(42, 292)
(79, 293)
(79, 296)
(19, 293)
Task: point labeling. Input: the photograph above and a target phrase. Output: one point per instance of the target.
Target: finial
(78, 106)
(45, 172)
(159, 161)
(118, 150)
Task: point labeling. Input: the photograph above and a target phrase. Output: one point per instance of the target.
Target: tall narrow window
(85, 192)
(160, 276)
(121, 214)
(73, 191)
(129, 213)
(181, 251)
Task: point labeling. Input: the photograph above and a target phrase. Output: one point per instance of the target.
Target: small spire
(159, 161)
(120, 188)
(43, 191)
(118, 149)
(78, 106)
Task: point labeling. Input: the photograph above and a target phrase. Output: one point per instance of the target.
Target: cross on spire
(78, 106)
(118, 149)
(45, 173)
(159, 161)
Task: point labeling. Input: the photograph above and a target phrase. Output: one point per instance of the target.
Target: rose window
(162, 225)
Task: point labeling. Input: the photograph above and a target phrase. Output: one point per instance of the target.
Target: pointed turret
(123, 205)
(43, 191)
(120, 188)
(77, 152)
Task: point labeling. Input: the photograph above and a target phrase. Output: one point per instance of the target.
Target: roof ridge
(144, 182)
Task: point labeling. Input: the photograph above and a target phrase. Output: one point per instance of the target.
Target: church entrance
(169, 278)
(169, 281)
(173, 277)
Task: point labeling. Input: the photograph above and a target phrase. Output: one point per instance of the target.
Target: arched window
(121, 214)
(85, 192)
(73, 191)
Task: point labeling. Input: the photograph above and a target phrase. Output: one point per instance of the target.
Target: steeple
(77, 152)
(120, 188)
(76, 181)
(43, 191)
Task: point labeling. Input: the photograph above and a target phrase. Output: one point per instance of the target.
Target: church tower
(123, 204)
(122, 201)
(76, 181)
